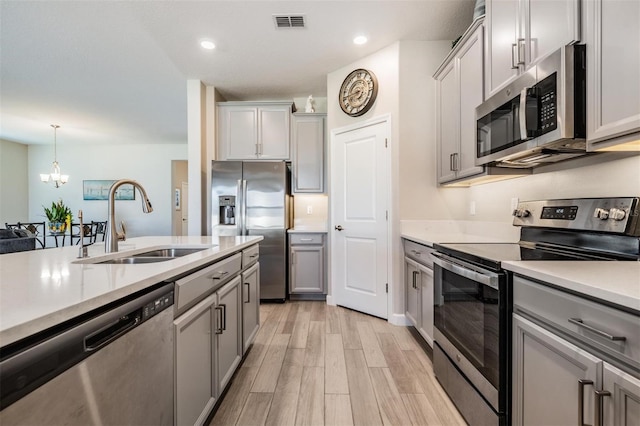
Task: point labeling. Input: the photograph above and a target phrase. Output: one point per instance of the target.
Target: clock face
(358, 92)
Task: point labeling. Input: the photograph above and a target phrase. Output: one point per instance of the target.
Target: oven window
(500, 129)
(468, 314)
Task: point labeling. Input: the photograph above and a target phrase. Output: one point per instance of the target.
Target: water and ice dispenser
(227, 205)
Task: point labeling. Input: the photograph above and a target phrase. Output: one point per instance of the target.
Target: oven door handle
(449, 264)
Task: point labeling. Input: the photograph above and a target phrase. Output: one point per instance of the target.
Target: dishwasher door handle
(112, 331)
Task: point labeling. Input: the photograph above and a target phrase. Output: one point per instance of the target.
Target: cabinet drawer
(250, 256)
(196, 286)
(306, 238)
(418, 252)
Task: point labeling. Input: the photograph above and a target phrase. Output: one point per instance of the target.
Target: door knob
(339, 228)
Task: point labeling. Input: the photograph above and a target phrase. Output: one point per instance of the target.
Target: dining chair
(87, 231)
(99, 228)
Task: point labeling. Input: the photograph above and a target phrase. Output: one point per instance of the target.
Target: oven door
(471, 321)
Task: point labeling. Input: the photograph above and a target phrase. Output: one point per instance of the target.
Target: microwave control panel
(547, 104)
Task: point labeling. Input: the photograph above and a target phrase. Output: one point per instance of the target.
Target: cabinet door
(308, 153)
(546, 375)
(502, 32)
(195, 392)
(412, 291)
(613, 85)
(447, 122)
(307, 269)
(426, 304)
(622, 406)
(274, 130)
(237, 133)
(549, 25)
(228, 330)
(470, 61)
(250, 305)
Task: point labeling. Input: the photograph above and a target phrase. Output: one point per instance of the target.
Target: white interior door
(359, 182)
(185, 208)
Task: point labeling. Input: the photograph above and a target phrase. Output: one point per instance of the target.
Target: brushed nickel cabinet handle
(218, 319)
(580, 323)
(581, 384)
(415, 279)
(597, 410)
(248, 292)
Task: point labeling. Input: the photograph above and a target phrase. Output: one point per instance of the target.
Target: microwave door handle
(523, 114)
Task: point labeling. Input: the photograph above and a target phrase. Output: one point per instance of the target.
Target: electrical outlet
(309, 209)
(472, 208)
(514, 203)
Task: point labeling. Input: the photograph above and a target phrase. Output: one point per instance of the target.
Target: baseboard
(330, 300)
(399, 319)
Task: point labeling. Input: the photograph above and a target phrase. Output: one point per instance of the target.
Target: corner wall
(14, 184)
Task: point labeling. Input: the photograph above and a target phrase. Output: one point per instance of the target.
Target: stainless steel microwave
(539, 118)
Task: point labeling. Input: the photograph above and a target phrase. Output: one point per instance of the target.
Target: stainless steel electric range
(473, 297)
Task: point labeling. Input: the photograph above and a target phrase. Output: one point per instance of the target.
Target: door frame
(392, 316)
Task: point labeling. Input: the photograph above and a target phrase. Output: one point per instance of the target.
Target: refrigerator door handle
(244, 207)
(240, 202)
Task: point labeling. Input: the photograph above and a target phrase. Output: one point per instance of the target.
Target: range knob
(602, 214)
(521, 213)
(617, 214)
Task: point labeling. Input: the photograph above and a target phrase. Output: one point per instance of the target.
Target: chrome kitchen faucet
(111, 240)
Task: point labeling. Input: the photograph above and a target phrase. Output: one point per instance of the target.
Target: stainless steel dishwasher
(113, 366)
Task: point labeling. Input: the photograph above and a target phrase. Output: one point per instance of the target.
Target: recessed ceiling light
(207, 44)
(360, 40)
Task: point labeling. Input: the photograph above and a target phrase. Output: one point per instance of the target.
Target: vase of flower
(59, 216)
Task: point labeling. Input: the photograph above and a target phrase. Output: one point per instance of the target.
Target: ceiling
(115, 72)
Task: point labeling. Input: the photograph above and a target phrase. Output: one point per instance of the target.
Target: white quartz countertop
(613, 281)
(42, 288)
(308, 230)
(429, 232)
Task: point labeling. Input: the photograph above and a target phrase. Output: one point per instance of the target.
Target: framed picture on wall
(176, 198)
(99, 190)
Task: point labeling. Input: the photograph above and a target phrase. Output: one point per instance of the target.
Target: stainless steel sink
(136, 260)
(151, 256)
(169, 252)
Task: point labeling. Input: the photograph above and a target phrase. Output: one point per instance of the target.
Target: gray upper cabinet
(459, 90)
(253, 130)
(308, 132)
(520, 32)
(613, 77)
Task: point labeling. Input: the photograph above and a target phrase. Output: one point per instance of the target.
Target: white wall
(418, 189)
(150, 165)
(14, 185)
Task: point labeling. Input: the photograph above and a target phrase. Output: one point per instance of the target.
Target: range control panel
(611, 215)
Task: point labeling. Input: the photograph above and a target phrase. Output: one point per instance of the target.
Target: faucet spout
(111, 239)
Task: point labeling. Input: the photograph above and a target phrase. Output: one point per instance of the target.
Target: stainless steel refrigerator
(253, 198)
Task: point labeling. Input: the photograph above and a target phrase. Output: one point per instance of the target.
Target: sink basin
(136, 260)
(155, 255)
(169, 252)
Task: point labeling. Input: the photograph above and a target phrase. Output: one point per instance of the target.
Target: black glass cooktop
(492, 254)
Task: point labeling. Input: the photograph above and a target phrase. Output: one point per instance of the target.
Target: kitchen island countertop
(42, 288)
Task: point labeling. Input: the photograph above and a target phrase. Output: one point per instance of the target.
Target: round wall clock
(358, 92)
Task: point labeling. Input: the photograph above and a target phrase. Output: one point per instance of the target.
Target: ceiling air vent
(289, 21)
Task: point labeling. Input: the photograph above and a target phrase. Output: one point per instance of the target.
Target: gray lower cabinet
(307, 264)
(549, 374)
(418, 273)
(208, 350)
(547, 371)
(195, 361)
(251, 305)
(229, 331)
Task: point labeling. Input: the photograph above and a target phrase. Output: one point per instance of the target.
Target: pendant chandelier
(55, 176)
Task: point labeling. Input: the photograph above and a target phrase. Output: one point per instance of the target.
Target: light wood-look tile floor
(313, 364)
